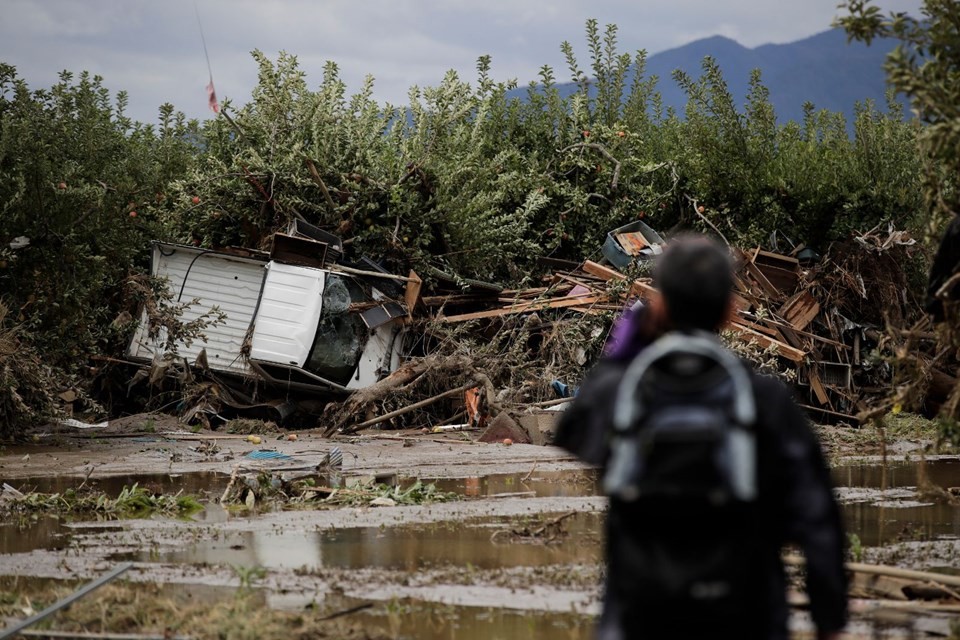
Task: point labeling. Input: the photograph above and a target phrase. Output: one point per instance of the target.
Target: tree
(925, 67)
(81, 188)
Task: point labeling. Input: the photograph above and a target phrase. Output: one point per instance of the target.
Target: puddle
(411, 548)
(29, 535)
(944, 473)
(415, 621)
(541, 484)
(881, 504)
(200, 483)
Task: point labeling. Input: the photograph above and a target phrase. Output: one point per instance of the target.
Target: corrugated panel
(216, 279)
(289, 313)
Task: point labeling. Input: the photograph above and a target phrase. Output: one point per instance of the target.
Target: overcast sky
(153, 49)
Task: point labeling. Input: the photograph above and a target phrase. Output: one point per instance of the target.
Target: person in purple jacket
(791, 501)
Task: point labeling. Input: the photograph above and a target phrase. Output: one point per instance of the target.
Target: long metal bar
(13, 630)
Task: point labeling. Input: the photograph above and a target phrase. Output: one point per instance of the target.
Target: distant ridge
(822, 69)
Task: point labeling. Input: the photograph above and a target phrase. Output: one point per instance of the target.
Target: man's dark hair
(695, 278)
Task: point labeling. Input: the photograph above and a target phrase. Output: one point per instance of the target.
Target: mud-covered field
(507, 543)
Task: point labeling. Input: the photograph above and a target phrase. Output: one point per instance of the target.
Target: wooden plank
(817, 387)
(602, 271)
(638, 288)
(740, 303)
(644, 290)
(785, 262)
(767, 286)
(412, 294)
(570, 301)
(800, 310)
(785, 350)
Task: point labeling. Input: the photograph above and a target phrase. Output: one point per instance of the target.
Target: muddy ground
(516, 555)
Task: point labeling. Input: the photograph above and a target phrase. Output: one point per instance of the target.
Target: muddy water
(882, 505)
(483, 543)
(538, 483)
(25, 533)
(438, 622)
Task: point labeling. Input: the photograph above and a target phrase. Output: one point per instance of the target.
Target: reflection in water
(543, 484)
(424, 621)
(408, 548)
(46, 532)
(878, 520)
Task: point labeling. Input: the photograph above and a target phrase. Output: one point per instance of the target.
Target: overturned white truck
(293, 320)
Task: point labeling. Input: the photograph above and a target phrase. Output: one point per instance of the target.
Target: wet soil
(519, 556)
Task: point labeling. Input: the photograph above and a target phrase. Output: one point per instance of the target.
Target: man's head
(695, 278)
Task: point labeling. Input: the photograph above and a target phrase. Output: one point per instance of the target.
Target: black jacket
(795, 504)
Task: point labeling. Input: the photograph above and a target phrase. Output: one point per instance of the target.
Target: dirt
(519, 555)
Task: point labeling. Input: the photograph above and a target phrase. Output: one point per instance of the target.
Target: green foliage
(417, 493)
(133, 502)
(85, 185)
(473, 180)
(925, 67)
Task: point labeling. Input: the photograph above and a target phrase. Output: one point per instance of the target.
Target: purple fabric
(625, 340)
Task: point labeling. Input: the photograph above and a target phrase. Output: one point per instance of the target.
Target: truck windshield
(341, 335)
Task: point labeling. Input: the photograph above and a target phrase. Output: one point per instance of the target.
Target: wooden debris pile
(823, 321)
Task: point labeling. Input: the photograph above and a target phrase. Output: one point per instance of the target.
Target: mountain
(822, 69)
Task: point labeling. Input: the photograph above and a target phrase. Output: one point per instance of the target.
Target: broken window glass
(341, 335)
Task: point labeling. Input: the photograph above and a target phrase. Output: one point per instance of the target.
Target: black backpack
(682, 480)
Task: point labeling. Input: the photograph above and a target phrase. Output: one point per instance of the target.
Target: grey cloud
(153, 49)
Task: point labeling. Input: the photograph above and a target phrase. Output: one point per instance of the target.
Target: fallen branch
(884, 570)
(409, 408)
(323, 187)
(346, 612)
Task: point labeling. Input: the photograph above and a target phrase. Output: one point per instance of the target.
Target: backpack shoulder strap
(628, 406)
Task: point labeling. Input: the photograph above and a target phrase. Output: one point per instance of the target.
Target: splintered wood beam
(529, 307)
(601, 271)
(765, 341)
(638, 288)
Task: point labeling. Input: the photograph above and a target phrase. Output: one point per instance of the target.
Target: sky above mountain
(153, 49)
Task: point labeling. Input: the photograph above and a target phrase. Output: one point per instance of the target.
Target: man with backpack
(710, 468)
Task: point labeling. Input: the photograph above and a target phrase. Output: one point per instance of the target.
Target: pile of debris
(308, 332)
(826, 321)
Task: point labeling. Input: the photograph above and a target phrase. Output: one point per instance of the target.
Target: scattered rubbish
(449, 427)
(634, 241)
(266, 454)
(19, 242)
(504, 428)
(548, 533)
(76, 424)
(819, 321)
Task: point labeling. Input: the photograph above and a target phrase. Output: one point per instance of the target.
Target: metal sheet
(286, 321)
(215, 279)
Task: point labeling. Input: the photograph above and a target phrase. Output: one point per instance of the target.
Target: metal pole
(12, 631)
